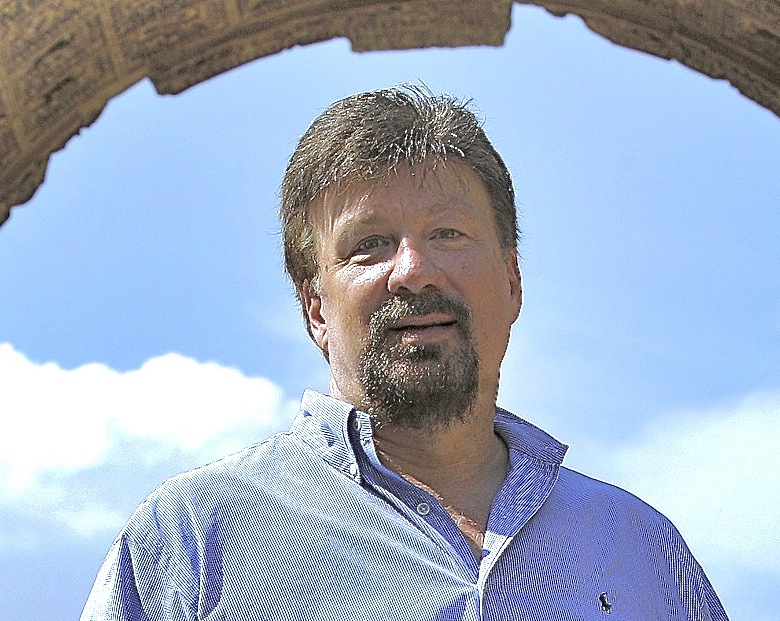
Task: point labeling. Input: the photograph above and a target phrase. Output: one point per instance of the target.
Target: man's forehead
(451, 179)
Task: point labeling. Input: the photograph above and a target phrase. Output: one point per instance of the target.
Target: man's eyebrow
(361, 218)
(350, 225)
(347, 229)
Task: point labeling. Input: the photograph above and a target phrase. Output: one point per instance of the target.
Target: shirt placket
(418, 506)
(527, 486)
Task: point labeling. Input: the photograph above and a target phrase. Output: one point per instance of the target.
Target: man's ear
(317, 322)
(515, 283)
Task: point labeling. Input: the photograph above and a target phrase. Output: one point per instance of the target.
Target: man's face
(416, 295)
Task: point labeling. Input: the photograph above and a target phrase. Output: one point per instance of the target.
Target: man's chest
(332, 572)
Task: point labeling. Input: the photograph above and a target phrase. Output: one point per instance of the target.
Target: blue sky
(146, 326)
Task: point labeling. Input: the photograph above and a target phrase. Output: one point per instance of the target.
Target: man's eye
(370, 244)
(446, 234)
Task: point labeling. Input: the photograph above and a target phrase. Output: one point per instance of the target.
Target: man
(406, 493)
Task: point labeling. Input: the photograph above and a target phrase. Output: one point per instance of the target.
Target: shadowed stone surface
(62, 60)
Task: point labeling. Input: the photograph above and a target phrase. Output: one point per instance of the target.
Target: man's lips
(421, 322)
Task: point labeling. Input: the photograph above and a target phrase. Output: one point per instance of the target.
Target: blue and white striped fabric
(308, 526)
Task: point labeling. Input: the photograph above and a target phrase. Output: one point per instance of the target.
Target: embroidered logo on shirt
(604, 603)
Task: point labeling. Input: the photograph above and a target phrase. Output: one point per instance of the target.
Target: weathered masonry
(61, 61)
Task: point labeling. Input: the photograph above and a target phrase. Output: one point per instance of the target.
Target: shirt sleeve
(698, 595)
(136, 583)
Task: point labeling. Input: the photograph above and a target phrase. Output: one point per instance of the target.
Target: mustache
(399, 307)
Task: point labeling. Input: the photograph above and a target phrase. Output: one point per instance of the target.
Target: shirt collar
(324, 422)
(522, 436)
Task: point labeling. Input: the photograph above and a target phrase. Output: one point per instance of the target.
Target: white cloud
(89, 520)
(716, 475)
(57, 423)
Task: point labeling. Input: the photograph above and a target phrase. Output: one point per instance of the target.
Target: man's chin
(414, 352)
(420, 394)
(413, 405)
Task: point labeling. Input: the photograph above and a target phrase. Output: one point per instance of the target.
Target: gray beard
(418, 386)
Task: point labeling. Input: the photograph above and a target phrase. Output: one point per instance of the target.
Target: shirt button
(356, 424)
(353, 470)
(423, 508)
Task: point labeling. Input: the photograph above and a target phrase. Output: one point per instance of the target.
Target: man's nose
(413, 268)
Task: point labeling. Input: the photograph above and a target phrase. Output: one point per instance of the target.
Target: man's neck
(459, 449)
(463, 465)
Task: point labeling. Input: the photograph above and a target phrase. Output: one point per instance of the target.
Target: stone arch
(61, 61)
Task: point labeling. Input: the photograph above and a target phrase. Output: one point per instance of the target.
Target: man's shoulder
(228, 483)
(281, 472)
(258, 464)
(591, 496)
(575, 493)
(267, 462)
